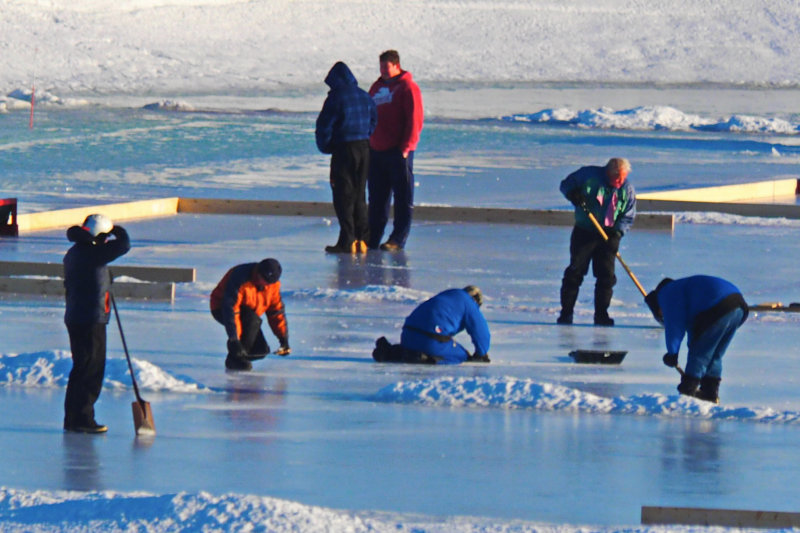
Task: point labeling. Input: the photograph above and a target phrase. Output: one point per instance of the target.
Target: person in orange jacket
(244, 293)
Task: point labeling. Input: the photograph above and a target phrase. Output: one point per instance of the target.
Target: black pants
(88, 345)
(349, 170)
(585, 246)
(252, 338)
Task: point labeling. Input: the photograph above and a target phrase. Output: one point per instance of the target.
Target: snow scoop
(601, 357)
(605, 238)
(142, 414)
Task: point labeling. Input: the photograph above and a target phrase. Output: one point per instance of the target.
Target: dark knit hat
(652, 299)
(270, 270)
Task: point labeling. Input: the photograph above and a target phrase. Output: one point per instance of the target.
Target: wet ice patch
(512, 393)
(52, 368)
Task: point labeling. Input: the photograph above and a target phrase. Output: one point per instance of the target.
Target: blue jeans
(390, 173)
(706, 351)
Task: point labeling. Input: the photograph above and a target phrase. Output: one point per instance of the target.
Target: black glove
(670, 359)
(575, 196)
(614, 236)
(475, 358)
(235, 349)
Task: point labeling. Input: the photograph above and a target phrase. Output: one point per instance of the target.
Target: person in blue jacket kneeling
(707, 309)
(427, 336)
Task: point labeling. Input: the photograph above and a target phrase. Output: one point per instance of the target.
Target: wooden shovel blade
(143, 418)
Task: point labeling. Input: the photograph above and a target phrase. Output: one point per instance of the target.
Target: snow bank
(230, 47)
(51, 369)
(512, 393)
(68, 511)
(648, 118)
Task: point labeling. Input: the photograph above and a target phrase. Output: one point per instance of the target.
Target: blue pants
(706, 351)
(448, 352)
(390, 173)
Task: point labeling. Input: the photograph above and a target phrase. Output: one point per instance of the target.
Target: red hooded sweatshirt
(400, 115)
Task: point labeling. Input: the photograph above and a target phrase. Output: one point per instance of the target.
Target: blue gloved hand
(670, 359)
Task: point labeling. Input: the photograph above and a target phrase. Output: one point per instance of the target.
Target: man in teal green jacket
(606, 193)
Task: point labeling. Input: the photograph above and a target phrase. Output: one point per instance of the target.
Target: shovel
(605, 238)
(142, 414)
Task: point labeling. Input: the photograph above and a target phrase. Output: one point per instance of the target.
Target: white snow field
(217, 98)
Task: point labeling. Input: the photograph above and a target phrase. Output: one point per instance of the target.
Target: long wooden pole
(605, 238)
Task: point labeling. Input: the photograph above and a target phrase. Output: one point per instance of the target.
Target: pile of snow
(52, 368)
(68, 511)
(227, 46)
(648, 118)
(509, 392)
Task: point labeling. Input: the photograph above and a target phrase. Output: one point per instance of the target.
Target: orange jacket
(241, 286)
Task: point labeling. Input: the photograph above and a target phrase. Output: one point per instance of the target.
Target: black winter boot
(237, 363)
(688, 385)
(382, 351)
(709, 389)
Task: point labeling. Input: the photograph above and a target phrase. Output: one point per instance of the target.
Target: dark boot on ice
(688, 385)
(564, 318)
(237, 363)
(602, 319)
(382, 351)
(709, 389)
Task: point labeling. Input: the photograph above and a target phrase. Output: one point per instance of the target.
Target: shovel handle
(605, 238)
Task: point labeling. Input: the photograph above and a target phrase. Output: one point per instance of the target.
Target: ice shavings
(512, 393)
(648, 118)
(52, 368)
(370, 293)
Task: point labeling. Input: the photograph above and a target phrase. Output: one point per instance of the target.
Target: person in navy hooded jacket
(344, 125)
(428, 332)
(708, 310)
(87, 282)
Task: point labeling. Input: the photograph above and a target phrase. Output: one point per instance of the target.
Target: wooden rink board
(158, 283)
(55, 287)
(719, 517)
(485, 215)
(143, 273)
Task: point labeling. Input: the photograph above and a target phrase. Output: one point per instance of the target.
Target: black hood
(340, 75)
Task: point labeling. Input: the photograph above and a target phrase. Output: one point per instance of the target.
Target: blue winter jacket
(593, 184)
(86, 276)
(690, 305)
(348, 114)
(449, 313)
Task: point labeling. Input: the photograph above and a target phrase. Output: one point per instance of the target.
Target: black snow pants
(585, 246)
(88, 345)
(349, 170)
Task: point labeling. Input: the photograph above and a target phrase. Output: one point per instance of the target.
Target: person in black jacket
(87, 281)
(347, 119)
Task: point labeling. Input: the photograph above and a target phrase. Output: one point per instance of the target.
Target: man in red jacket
(392, 147)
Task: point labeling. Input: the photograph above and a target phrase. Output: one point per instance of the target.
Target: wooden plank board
(489, 215)
(143, 273)
(776, 307)
(791, 211)
(728, 193)
(55, 287)
(719, 517)
(64, 218)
